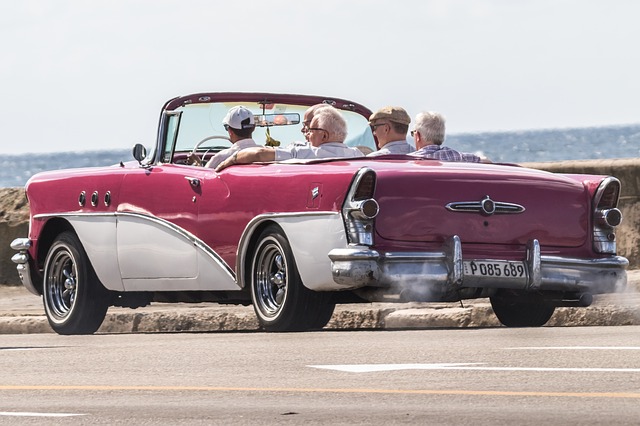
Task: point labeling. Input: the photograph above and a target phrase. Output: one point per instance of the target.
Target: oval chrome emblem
(488, 206)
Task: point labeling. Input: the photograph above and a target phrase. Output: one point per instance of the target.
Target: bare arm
(249, 155)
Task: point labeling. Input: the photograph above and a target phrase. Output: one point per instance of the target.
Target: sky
(80, 75)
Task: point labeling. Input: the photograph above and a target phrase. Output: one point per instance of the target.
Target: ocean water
(507, 147)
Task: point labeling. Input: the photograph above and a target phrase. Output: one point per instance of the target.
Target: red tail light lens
(610, 196)
(366, 187)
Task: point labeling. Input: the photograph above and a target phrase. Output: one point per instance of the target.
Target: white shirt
(394, 147)
(326, 150)
(226, 153)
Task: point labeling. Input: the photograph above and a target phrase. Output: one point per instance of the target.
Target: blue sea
(507, 147)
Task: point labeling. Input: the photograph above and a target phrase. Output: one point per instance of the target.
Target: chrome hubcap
(61, 284)
(271, 279)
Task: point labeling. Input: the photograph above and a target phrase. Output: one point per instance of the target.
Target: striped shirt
(445, 153)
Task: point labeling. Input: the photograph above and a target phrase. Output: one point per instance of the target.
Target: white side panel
(150, 249)
(214, 274)
(98, 236)
(311, 239)
(155, 255)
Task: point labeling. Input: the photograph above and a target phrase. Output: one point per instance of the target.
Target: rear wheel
(74, 300)
(521, 310)
(280, 299)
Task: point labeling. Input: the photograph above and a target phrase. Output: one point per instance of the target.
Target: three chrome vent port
(82, 198)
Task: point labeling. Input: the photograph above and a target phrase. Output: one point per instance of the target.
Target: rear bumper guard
(444, 271)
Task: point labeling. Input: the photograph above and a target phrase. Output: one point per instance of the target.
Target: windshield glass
(202, 120)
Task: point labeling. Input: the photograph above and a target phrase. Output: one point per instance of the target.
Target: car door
(156, 221)
(158, 233)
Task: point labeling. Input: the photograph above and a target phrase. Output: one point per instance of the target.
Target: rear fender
(311, 236)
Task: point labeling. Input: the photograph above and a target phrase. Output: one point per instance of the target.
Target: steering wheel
(208, 138)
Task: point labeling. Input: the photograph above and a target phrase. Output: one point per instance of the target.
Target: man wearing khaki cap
(390, 126)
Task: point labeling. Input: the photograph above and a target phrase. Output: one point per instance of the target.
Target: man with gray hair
(429, 134)
(326, 134)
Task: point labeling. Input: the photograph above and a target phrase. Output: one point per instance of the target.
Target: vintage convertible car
(295, 238)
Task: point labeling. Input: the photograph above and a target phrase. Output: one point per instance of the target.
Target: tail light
(360, 208)
(606, 215)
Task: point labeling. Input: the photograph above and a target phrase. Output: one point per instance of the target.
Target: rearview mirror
(268, 120)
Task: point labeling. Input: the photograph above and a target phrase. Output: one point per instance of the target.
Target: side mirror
(139, 152)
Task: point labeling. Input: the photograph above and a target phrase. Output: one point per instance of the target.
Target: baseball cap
(237, 115)
(391, 113)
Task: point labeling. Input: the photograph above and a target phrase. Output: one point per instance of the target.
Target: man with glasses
(429, 136)
(326, 133)
(240, 124)
(390, 126)
(308, 116)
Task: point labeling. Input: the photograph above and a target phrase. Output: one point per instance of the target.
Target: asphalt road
(479, 376)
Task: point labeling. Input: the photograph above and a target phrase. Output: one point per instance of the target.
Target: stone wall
(14, 223)
(14, 213)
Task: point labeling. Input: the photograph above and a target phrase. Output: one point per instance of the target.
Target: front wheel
(280, 299)
(521, 310)
(74, 300)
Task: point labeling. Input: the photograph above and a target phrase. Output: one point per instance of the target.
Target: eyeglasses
(374, 126)
(226, 127)
(414, 132)
(305, 126)
(311, 129)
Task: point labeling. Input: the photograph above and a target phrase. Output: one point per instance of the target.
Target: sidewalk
(22, 312)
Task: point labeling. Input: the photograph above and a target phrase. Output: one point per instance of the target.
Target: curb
(347, 317)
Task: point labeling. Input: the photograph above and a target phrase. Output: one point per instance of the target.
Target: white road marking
(28, 414)
(18, 349)
(581, 348)
(369, 368)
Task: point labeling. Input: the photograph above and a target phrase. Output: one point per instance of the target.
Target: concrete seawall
(14, 214)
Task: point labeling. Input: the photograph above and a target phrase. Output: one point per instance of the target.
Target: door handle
(195, 182)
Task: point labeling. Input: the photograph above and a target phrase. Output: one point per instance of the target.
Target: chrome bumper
(21, 258)
(444, 272)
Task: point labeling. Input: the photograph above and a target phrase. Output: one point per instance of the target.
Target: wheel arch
(321, 231)
(247, 245)
(51, 229)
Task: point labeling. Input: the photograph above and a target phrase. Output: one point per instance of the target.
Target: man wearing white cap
(240, 124)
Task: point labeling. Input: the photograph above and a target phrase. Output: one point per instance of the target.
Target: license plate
(495, 268)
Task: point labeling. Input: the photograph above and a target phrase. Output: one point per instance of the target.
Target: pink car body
(295, 238)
